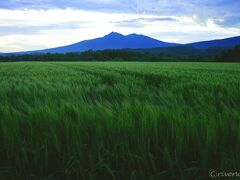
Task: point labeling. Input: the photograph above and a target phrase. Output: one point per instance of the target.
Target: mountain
(2, 54)
(111, 41)
(228, 42)
(143, 44)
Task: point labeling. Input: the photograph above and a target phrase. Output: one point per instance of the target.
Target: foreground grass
(118, 120)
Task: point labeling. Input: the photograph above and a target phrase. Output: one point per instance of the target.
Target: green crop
(118, 120)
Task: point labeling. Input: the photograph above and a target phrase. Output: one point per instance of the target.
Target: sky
(40, 24)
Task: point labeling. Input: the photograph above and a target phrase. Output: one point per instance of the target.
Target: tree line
(232, 55)
(104, 55)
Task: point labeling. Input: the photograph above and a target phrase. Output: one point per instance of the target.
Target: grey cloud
(202, 9)
(129, 24)
(141, 22)
(230, 21)
(35, 29)
(158, 19)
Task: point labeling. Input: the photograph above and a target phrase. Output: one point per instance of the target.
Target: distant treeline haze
(230, 55)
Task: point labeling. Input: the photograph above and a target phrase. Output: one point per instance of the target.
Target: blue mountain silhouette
(115, 40)
(111, 41)
(228, 42)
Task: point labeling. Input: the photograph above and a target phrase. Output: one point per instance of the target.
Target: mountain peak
(134, 34)
(113, 40)
(114, 34)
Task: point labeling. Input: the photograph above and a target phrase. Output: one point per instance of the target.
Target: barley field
(119, 120)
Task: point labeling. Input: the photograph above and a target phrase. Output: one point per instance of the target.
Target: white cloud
(30, 29)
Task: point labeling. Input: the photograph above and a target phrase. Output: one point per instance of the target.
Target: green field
(118, 120)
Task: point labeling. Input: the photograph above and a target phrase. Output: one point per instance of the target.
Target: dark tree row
(232, 55)
(105, 55)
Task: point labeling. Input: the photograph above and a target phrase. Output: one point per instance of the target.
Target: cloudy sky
(38, 24)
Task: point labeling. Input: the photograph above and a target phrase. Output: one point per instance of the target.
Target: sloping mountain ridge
(134, 41)
(227, 42)
(111, 41)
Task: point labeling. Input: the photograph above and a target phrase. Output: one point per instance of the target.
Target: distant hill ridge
(116, 40)
(111, 41)
(227, 42)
